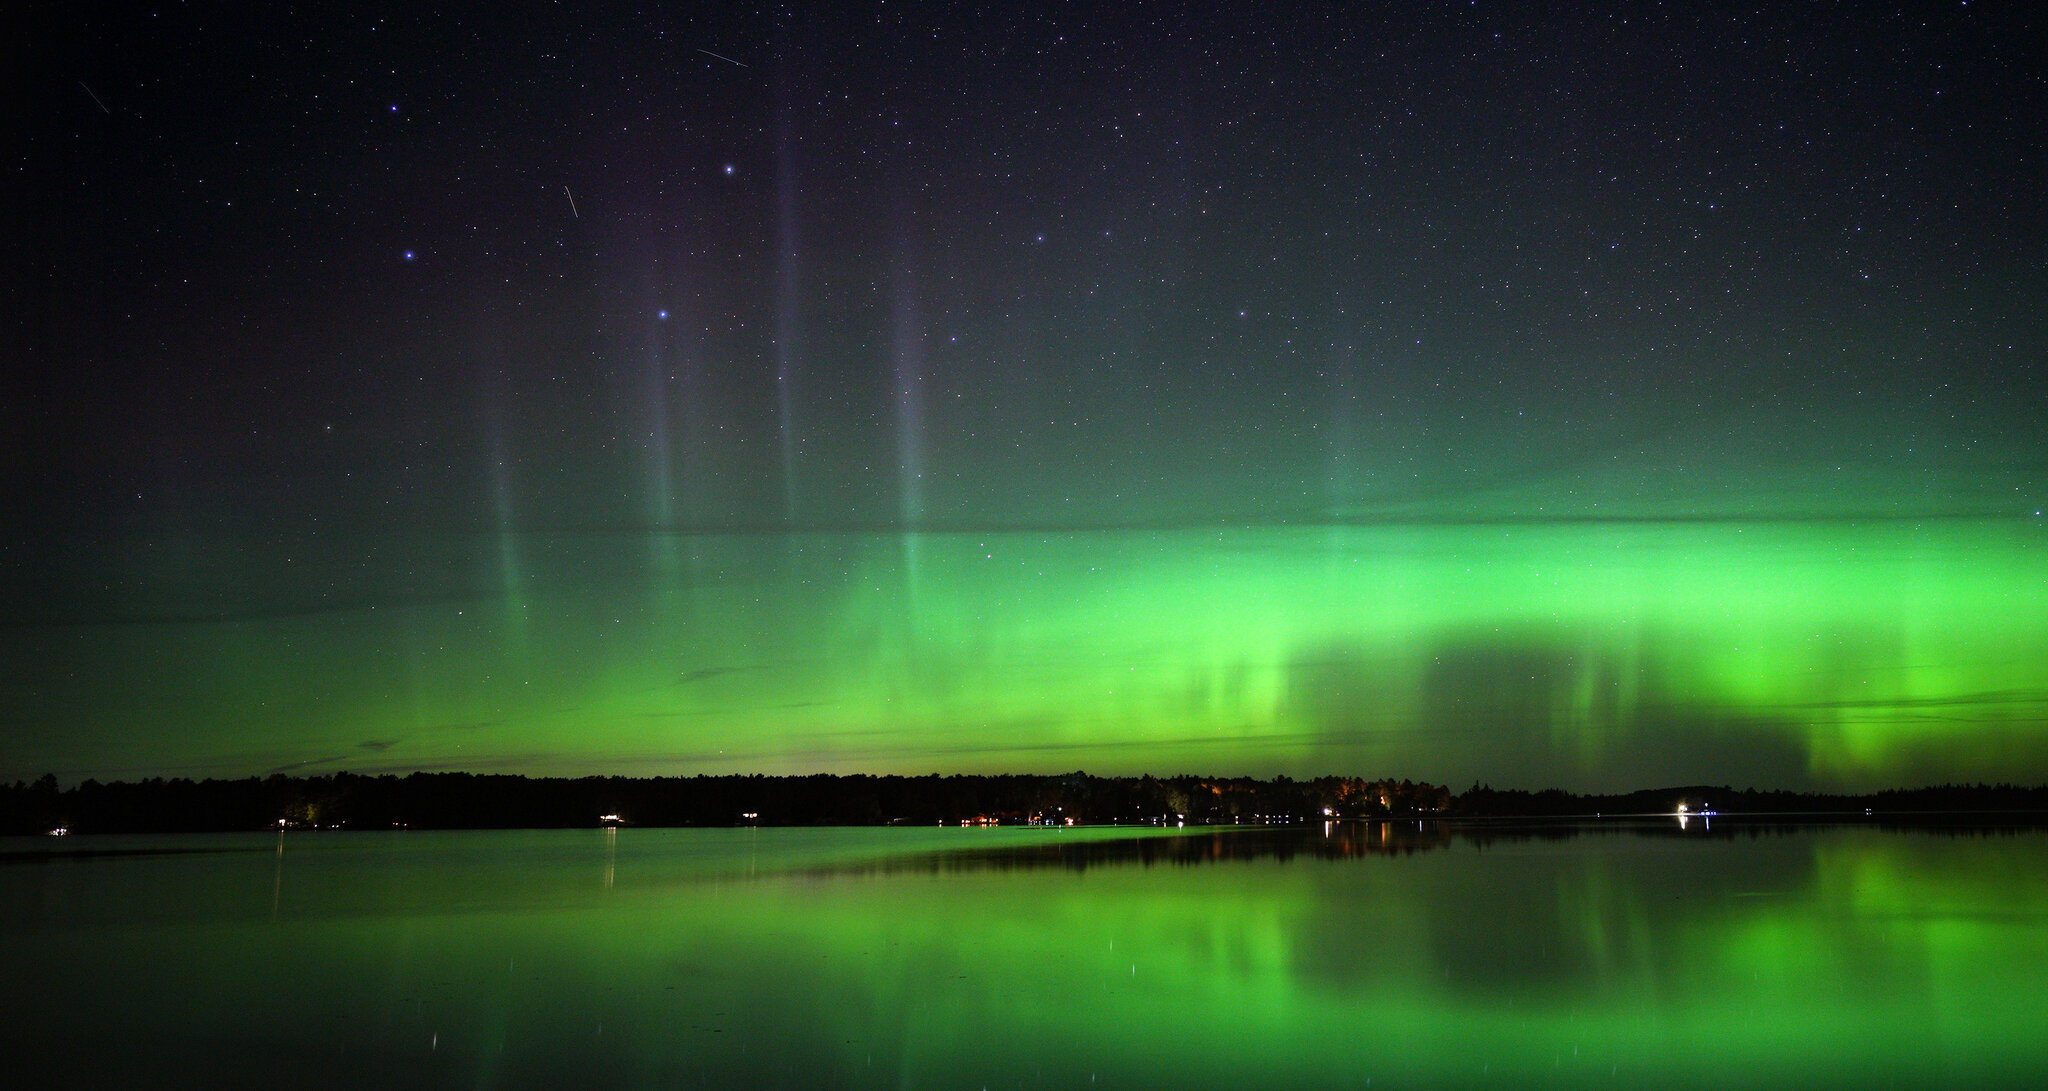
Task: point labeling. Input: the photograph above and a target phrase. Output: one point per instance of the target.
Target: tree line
(477, 801)
(468, 800)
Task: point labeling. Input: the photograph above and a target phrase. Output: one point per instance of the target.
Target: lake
(1630, 954)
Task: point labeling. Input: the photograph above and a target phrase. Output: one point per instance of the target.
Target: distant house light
(610, 819)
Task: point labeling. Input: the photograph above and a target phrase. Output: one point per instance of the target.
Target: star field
(865, 387)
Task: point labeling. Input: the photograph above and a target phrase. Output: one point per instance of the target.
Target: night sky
(1598, 397)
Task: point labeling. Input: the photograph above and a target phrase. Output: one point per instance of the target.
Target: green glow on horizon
(1591, 656)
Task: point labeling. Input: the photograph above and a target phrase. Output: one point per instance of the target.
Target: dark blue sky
(328, 307)
(1115, 263)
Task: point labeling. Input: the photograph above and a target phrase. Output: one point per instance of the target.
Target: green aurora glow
(1595, 656)
(1503, 392)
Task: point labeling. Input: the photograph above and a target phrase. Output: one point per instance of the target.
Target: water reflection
(1223, 845)
(1352, 840)
(1409, 954)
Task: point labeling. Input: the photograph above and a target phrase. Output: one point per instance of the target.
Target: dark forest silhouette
(473, 801)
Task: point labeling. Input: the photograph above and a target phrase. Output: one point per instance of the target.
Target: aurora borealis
(1607, 655)
(1596, 399)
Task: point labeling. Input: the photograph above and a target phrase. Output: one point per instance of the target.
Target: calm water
(1388, 957)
